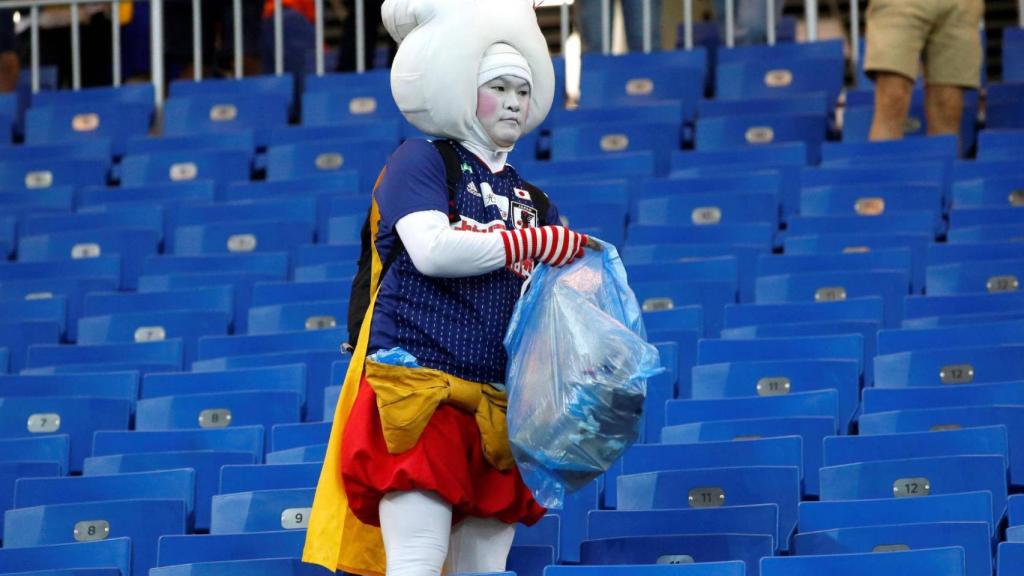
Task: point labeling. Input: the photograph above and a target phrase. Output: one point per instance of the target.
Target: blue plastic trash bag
(578, 363)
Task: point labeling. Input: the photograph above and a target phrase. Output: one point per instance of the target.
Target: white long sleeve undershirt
(437, 250)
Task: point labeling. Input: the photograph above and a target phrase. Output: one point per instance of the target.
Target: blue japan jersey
(456, 325)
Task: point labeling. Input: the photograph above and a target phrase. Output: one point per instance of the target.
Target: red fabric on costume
(305, 7)
(447, 460)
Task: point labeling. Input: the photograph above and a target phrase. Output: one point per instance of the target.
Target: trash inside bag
(578, 363)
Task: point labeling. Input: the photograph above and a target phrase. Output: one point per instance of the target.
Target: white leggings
(419, 538)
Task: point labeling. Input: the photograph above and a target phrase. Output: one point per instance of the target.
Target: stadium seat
(949, 366)
(298, 455)
(268, 477)
(206, 463)
(78, 417)
(985, 334)
(706, 209)
(219, 346)
(544, 533)
(285, 436)
(13, 469)
(143, 521)
(327, 157)
(137, 216)
(529, 560)
(757, 519)
(918, 477)
(132, 245)
(44, 449)
(202, 299)
(73, 289)
(39, 174)
(285, 378)
(234, 439)
(262, 511)
(218, 547)
(759, 235)
(158, 194)
(983, 216)
(348, 106)
(262, 567)
(830, 515)
(211, 114)
(89, 121)
(703, 569)
(217, 410)
(1013, 65)
(318, 370)
(16, 338)
(1010, 559)
(642, 458)
(641, 84)
(220, 166)
(757, 130)
(38, 310)
(811, 429)
(240, 237)
(889, 399)
(999, 191)
(712, 295)
(968, 304)
(867, 309)
(161, 485)
(975, 277)
(933, 147)
(1015, 510)
(679, 549)
(610, 138)
(168, 353)
(316, 315)
(20, 202)
(115, 554)
(122, 385)
(624, 165)
(982, 234)
(935, 561)
(891, 285)
(188, 326)
(242, 140)
(848, 346)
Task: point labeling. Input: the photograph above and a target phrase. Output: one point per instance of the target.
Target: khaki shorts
(946, 32)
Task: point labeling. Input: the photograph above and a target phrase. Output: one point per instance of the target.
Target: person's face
(501, 106)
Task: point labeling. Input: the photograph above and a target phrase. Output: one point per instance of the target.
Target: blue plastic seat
(640, 83)
(212, 299)
(867, 309)
(820, 403)
(220, 346)
(593, 140)
(944, 396)
(17, 202)
(234, 439)
(261, 567)
(932, 147)
(318, 370)
(206, 464)
(276, 264)
(301, 209)
(188, 326)
(936, 561)
(972, 536)
(847, 346)
(88, 121)
(642, 458)
(965, 304)
(13, 469)
(546, 532)
(242, 140)
(841, 450)
(713, 296)
(975, 277)
(132, 245)
(17, 338)
(864, 242)
(71, 288)
(891, 259)
(760, 235)
(45, 449)
(986, 334)
(757, 519)
(144, 521)
(115, 554)
(908, 222)
(315, 453)
(706, 209)
(137, 216)
(220, 166)
(211, 114)
(1015, 510)
(285, 436)
(159, 194)
(168, 352)
(702, 569)
(122, 385)
(868, 330)
(285, 378)
(216, 410)
(679, 549)
(858, 117)
(316, 315)
(272, 293)
(835, 514)
(624, 165)
(268, 477)
(953, 418)
(327, 157)
(918, 477)
(344, 183)
(991, 192)
(240, 237)
(755, 130)
(944, 366)
(605, 220)
(1010, 558)
(39, 310)
(983, 216)
(1015, 534)
(1013, 65)
(218, 547)
(982, 234)
(812, 429)
(238, 283)
(162, 485)
(341, 105)
(38, 174)
(769, 156)
(261, 511)
(883, 199)
(78, 417)
(891, 285)
(739, 379)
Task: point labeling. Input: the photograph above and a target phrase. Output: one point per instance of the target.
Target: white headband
(501, 59)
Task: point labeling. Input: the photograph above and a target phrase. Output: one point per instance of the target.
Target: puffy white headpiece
(436, 71)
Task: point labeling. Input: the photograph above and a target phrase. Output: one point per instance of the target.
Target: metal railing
(157, 36)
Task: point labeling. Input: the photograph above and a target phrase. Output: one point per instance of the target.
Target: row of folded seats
(842, 340)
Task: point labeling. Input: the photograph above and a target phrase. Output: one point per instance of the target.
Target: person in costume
(419, 476)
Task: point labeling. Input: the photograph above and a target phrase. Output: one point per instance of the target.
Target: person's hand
(554, 245)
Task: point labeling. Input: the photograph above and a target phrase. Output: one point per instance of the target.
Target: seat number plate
(656, 304)
(43, 423)
(329, 161)
(215, 418)
(675, 559)
(91, 530)
(614, 142)
(911, 487)
(320, 322)
(706, 215)
(38, 179)
(706, 497)
(773, 386)
(150, 334)
(1017, 197)
(869, 206)
(830, 294)
(362, 105)
(183, 171)
(1007, 283)
(85, 251)
(85, 122)
(295, 518)
(223, 113)
(957, 374)
(891, 548)
(242, 243)
(778, 78)
(760, 135)
(639, 87)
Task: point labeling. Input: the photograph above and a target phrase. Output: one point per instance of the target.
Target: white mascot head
(434, 77)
